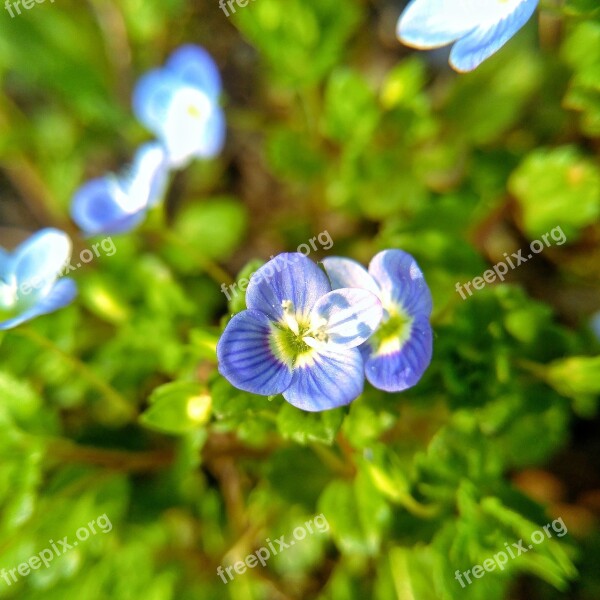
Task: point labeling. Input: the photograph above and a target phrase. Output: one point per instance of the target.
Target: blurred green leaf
(305, 427)
(549, 183)
(177, 408)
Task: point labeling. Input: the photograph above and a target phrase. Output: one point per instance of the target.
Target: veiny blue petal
(401, 282)
(289, 276)
(39, 260)
(245, 356)
(400, 366)
(62, 293)
(96, 208)
(434, 23)
(195, 66)
(346, 273)
(347, 317)
(152, 97)
(469, 52)
(327, 380)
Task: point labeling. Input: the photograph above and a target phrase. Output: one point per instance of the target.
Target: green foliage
(115, 405)
(548, 183)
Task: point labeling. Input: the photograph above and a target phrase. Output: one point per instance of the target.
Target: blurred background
(114, 406)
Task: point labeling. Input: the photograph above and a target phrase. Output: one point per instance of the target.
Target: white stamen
(289, 316)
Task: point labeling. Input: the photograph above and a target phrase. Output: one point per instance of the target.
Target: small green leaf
(305, 427)
(177, 408)
(557, 188)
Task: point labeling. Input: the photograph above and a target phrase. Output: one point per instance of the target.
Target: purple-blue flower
(479, 27)
(180, 105)
(117, 203)
(298, 337)
(399, 352)
(28, 278)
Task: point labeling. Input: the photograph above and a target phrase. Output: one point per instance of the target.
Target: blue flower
(115, 204)
(28, 278)
(595, 325)
(180, 105)
(399, 352)
(298, 337)
(479, 27)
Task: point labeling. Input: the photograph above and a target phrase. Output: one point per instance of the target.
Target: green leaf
(214, 228)
(581, 50)
(557, 187)
(577, 377)
(357, 515)
(312, 32)
(351, 112)
(305, 427)
(177, 408)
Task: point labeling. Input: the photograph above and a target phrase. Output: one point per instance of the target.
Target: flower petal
(96, 208)
(147, 179)
(245, 356)
(327, 380)
(40, 259)
(195, 66)
(400, 367)
(346, 273)
(215, 132)
(152, 97)
(401, 282)
(6, 262)
(62, 293)
(434, 23)
(193, 127)
(347, 317)
(288, 276)
(469, 52)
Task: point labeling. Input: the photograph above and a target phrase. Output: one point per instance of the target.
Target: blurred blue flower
(298, 337)
(28, 278)
(180, 105)
(115, 204)
(399, 352)
(595, 325)
(479, 27)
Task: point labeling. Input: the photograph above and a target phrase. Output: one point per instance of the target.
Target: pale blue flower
(117, 203)
(400, 351)
(179, 103)
(477, 28)
(28, 278)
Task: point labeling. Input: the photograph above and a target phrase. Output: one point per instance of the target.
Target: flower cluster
(477, 28)
(179, 104)
(313, 336)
